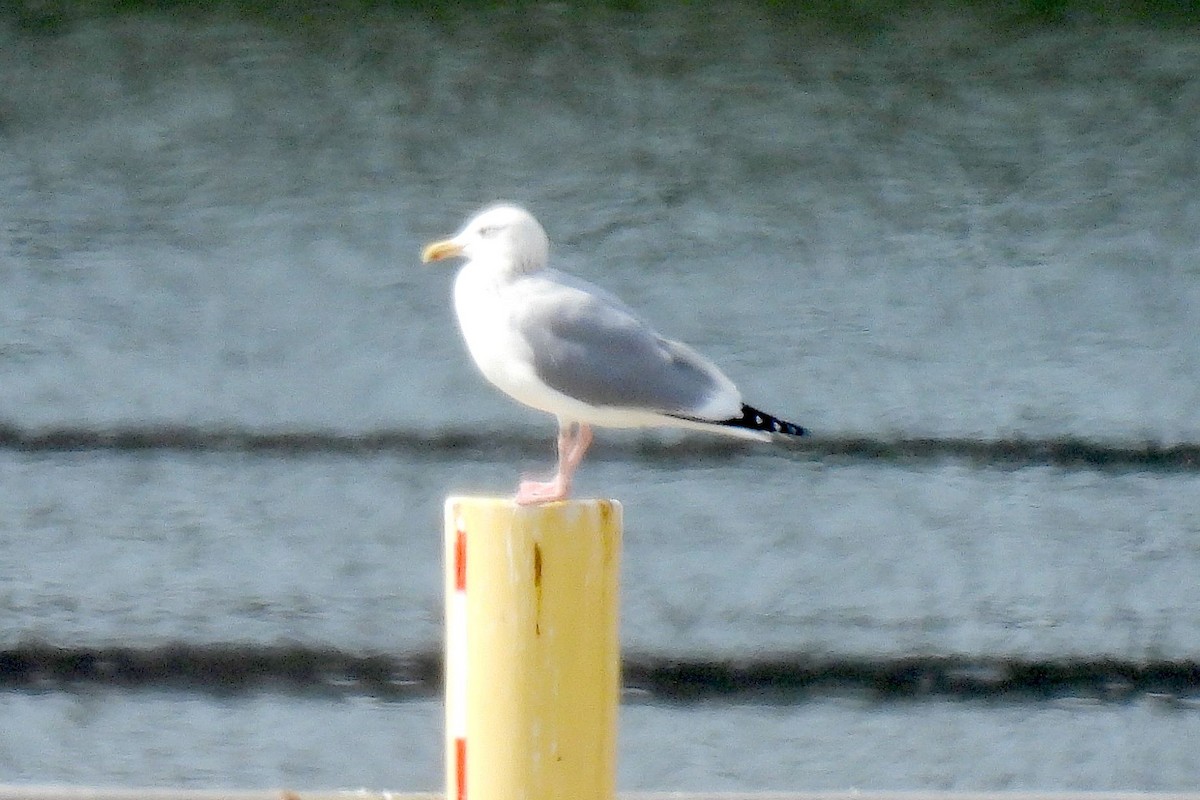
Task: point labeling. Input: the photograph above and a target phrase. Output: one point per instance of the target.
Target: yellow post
(532, 655)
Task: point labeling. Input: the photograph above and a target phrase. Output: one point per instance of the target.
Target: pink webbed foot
(573, 441)
(532, 493)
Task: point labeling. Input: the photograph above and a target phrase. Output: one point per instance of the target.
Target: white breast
(501, 354)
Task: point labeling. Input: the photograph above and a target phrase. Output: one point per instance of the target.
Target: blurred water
(944, 222)
(345, 552)
(952, 227)
(103, 738)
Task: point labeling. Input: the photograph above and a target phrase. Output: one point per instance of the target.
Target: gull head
(506, 236)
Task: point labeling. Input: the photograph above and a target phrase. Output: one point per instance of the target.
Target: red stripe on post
(460, 560)
(460, 768)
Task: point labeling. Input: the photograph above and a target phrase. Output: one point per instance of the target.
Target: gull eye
(488, 231)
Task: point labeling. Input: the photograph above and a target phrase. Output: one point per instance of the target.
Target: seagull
(561, 345)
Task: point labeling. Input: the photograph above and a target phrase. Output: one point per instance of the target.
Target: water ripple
(780, 679)
(1063, 452)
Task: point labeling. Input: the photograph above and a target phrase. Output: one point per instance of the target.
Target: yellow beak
(446, 248)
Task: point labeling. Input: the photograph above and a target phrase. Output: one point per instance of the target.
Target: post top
(507, 502)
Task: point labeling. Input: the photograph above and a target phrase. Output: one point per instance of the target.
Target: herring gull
(563, 346)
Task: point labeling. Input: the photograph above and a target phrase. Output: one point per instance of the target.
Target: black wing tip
(755, 420)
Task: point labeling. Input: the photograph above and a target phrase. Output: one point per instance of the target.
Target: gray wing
(590, 346)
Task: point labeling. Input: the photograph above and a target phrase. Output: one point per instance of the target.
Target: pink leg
(574, 438)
